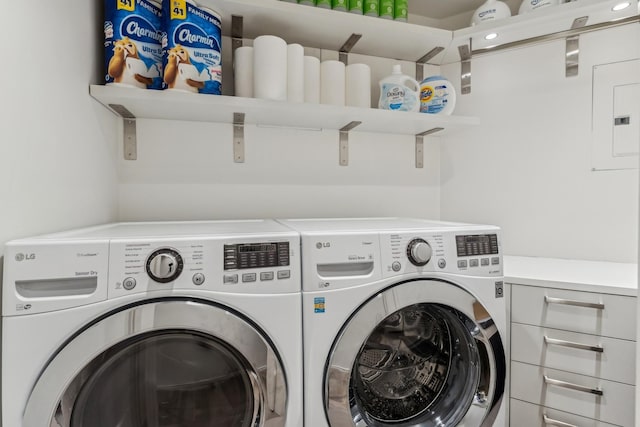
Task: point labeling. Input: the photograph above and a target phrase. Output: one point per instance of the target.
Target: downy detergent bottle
(399, 92)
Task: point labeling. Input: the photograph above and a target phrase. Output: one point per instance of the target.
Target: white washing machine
(153, 324)
(404, 323)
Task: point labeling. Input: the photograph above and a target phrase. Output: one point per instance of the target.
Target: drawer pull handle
(551, 422)
(552, 300)
(571, 344)
(577, 387)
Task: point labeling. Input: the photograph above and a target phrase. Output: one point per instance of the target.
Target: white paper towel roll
(295, 73)
(243, 71)
(332, 83)
(311, 80)
(358, 85)
(270, 68)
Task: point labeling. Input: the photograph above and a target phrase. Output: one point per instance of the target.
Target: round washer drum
(419, 353)
(166, 362)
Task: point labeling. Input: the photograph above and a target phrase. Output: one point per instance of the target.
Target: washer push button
(248, 277)
(266, 275)
(473, 263)
(284, 274)
(198, 279)
(129, 283)
(229, 279)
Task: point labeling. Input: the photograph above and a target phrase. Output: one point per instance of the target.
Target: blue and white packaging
(133, 43)
(192, 59)
(437, 96)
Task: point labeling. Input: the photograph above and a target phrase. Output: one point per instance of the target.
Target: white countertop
(590, 276)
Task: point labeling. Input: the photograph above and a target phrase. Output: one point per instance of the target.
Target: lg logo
(321, 245)
(25, 257)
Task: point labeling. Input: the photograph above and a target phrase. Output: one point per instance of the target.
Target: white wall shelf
(173, 105)
(328, 29)
(539, 23)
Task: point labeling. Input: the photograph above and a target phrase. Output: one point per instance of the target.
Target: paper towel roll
(270, 68)
(243, 71)
(332, 83)
(311, 80)
(358, 85)
(295, 73)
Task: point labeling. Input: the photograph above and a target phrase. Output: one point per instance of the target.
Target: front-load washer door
(420, 353)
(167, 363)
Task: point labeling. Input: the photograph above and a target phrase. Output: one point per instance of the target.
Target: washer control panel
(469, 252)
(250, 264)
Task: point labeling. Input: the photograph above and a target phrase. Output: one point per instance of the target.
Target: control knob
(164, 265)
(419, 252)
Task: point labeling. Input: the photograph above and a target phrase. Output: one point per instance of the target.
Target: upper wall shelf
(328, 29)
(542, 22)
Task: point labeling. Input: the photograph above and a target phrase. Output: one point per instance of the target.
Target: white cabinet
(572, 357)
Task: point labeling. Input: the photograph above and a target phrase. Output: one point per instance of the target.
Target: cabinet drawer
(571, 310)
(535, 384)
(557, 349)
(525, 414)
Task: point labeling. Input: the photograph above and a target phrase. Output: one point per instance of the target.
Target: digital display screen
(271, 247)
(256, 255)
(479, 244)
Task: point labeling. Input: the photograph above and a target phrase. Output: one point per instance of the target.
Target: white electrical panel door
(616, 115)
(626, 126)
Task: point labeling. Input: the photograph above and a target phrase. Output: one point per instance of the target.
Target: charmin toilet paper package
(192, 59)
(132, 43)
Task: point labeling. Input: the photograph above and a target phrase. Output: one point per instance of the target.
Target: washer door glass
(175, 379)
(419, 353)
(419, 364)
(163, 363)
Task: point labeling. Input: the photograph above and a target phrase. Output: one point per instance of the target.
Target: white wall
(57, 151)
(527, 167)
(185, 170)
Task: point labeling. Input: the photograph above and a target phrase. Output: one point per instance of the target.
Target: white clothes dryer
(153, 324)
(404, 323)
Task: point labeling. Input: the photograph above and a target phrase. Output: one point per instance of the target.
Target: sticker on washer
(318, 305)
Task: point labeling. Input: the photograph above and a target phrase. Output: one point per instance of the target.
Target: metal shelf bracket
(237, 31)
(573, 48)
(465, 71)
(343, 53)
(344, 142)
(129, 132)
(238, 137)
(420, 63)
(420, 146)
